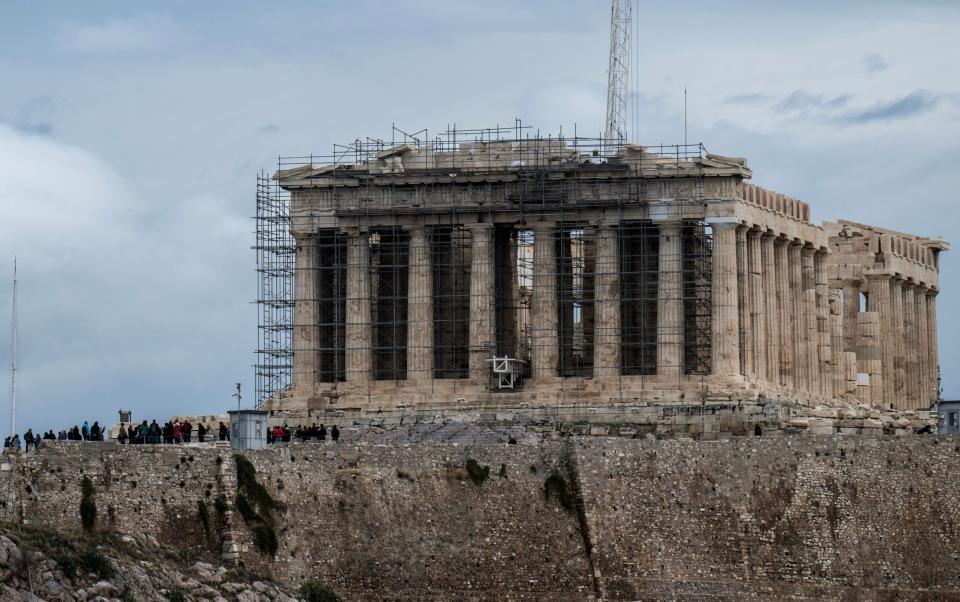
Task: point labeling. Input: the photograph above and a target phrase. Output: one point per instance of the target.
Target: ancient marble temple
(550, 272)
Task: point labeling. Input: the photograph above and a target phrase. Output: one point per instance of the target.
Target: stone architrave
(544, 343)
(358, 324)
(606, 332)
(482, 345)
(419, 306)
(726, 339)
(306, 327)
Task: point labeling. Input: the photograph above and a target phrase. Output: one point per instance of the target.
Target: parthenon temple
(503, 272)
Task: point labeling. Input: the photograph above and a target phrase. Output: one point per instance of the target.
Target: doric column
(878, 301)
(809, 320)
(771, 318)
(837, 366)
(744, 307)
(868, 358)
(670, 302)
(758, 326)
(851, 307)
(544, 348)
(606, 330)
(932, 351)
(899, 374)
(306, 327)
(795, 316)
(419, 306)
(912, 349)
(726, 335)
(822, 351)
(358, 328)
(923, 345)
(784, 310)
(481, 303)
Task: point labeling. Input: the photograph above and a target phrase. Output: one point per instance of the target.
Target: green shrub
(94, 562)
(314, 592)
(265, 539)
(88, 506)
(176, 595)
(478, 474)
(557, 487)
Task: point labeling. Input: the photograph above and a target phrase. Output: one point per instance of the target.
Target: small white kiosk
(248, 429)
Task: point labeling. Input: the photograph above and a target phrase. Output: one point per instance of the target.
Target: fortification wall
(748, 518)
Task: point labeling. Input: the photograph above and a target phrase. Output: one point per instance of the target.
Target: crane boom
(618, 73)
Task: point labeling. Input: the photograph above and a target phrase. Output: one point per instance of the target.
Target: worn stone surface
(745, 518)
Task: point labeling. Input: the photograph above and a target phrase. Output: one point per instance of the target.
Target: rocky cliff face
(44, 565)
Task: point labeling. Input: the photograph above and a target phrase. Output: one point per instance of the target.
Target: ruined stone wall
(747, 518)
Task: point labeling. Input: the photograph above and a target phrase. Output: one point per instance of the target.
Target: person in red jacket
(176, 432)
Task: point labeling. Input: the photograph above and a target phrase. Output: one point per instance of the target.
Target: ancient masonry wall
(747, 518)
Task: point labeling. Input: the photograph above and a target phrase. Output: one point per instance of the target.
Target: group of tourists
(283, 434)
(77, 433)
(171, 433)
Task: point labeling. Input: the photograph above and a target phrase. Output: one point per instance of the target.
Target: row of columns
(771, 315)
(908, 370)
(544, 340)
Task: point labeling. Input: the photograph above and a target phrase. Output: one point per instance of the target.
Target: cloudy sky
(131, 135)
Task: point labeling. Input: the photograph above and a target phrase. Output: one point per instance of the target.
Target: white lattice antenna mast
(13, 355)
(618, 73)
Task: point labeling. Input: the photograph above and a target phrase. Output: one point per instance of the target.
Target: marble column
(670, 303)
(823, 349)
(878, 299)
(306, 327)
(771, 318)
(419, 306)
(809, 320)
(797, 323)
(726, 336)
(606, 330)
(544, 345)
(481, 303)
(899, 373)
(358, 326)
(784, 311)
(912, 348)
(923, 345)
(744, 307)
(758, 325)
(851, 307)
(932, 352)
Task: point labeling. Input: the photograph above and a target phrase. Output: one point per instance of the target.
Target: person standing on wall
(335, 433)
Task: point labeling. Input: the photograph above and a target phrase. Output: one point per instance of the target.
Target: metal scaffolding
(596, 176)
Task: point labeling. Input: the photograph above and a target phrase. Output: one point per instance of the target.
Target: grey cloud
(916, 103)
(36, 115)
(747, 99)
(801, 100)
(874, 63)
(268, 128)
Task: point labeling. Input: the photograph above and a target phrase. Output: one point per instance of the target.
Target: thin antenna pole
(13, 355)
(684, 115)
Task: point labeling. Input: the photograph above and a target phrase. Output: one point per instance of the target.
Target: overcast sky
(131, 135)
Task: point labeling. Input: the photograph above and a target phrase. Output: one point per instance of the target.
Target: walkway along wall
(748, 518)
